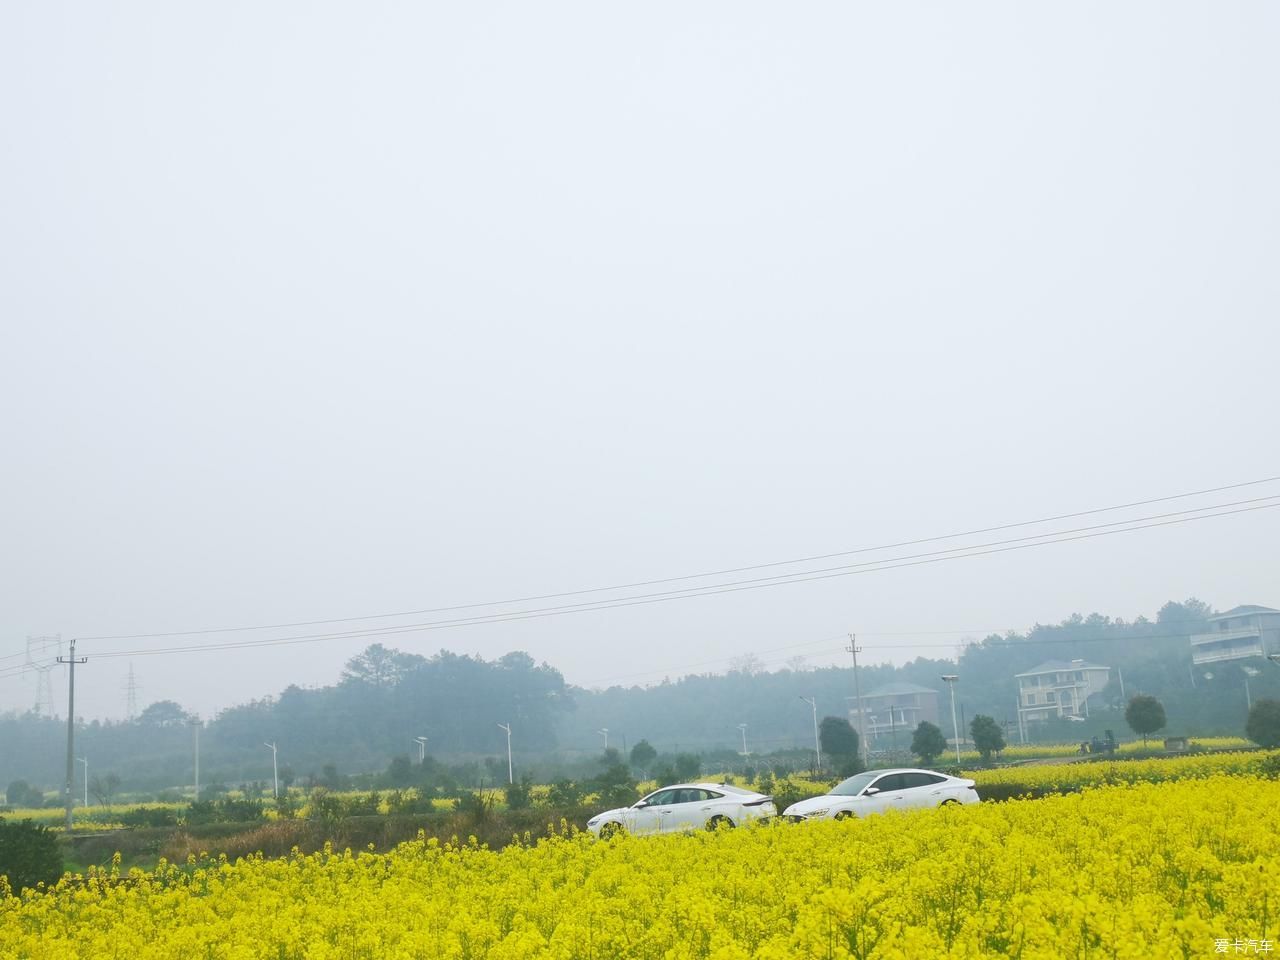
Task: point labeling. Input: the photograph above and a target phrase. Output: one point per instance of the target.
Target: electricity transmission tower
(131, 697)
(38, 659)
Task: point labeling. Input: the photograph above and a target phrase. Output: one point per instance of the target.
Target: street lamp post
(604, 732)
(422, 748)
(1248, 701)
(817, 747)
(743, 727)
(275, 770)
(195, 725)
(950, 680)
(511, 776)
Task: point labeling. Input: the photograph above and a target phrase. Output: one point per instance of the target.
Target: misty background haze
(315, 311)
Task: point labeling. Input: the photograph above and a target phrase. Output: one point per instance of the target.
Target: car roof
(705, 785)
(936, 773)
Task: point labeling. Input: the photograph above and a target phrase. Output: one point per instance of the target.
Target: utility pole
(604, 732)
(71, 661)
(511, 775)
(743, 728)
(817, 745)
(422, 748)
(854, 649)
(1120, 674)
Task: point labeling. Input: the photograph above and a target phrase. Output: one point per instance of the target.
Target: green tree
(22, 794)
(615, 786)
(928, 743)
(987, 736)
(1263, 725)
(104, 788)
(29, 855)
(643, 754)
(400, 772)
(164, 713)
(1145, 715)
(837, 737)
(688, 766)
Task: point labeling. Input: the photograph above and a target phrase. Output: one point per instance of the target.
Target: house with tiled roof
(1059, 688)
(1242, 633)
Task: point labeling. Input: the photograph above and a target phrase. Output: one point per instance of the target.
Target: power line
(710, 590)
(692, 576)
(984, 644)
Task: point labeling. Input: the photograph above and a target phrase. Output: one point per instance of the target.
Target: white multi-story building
(1058, 688)
(1239, 634)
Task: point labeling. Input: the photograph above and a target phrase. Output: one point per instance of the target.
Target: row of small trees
(1144, 714)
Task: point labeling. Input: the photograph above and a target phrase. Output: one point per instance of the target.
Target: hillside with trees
(385, 698)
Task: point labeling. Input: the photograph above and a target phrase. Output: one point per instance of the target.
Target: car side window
(662, 798)
(889, 782)
(710, 795)
(923, 779)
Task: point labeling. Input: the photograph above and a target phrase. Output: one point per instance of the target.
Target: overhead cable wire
(693, 576)
(710, 590)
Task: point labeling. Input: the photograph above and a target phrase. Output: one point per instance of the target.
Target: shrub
(477, 806)
(520, 795)
(29, 855)
(565, 793)
(149, 817)
(225, 810)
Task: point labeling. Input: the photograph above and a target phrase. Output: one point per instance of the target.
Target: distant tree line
(355, 731)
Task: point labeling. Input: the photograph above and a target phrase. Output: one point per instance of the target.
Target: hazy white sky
(318, 310)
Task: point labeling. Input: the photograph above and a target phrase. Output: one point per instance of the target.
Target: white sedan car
(879, 790)
(685, 806)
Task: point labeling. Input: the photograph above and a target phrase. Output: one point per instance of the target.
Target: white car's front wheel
(611, 830)
(843, 815)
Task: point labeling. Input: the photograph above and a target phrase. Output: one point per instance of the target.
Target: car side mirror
(640, 804)
(870, 790)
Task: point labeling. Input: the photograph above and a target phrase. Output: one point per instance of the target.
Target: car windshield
(853, 786)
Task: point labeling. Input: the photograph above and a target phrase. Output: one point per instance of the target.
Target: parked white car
(685, 806)
(879, 790)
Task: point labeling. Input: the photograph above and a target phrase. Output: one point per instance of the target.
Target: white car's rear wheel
(718, 821)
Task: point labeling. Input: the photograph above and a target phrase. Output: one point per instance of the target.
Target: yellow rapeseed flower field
(1029, 751)
(1074, 776)
(1167, 870)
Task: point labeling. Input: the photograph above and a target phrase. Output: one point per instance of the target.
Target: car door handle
(706, 808)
